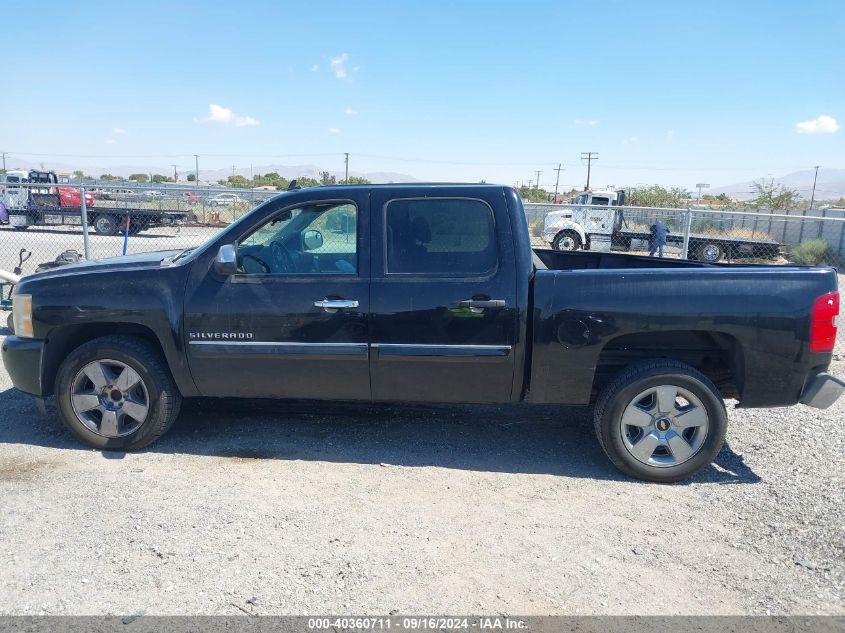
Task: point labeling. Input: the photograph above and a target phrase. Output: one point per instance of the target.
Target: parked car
(434, 296)
(222, 199)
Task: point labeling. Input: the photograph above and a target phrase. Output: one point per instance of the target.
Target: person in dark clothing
(657, 239)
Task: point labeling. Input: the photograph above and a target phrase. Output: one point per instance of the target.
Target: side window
(319, 239)
(440, 236)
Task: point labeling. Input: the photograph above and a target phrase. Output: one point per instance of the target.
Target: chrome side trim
(285, 349)
(442, 353)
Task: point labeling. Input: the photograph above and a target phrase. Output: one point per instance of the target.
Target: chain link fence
(741, 236)
(46, 219)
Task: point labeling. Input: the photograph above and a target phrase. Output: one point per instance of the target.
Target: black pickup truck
(425, 293)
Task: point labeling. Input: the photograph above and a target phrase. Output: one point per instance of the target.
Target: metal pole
(813, 196)
(687, 229)
(83, 211)
(346, 160)
(197, 170)
(557, 181)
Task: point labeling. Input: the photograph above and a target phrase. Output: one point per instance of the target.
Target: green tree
(357, 180)
(657, 196)
(159, 178)
(239, 182)
(327, 179)
(774, 197)
(531, 194)
(305, 181)
(78, 174)
(192, 178)
(139, 177)
(108, 177)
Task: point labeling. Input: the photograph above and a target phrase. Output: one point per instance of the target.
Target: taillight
(823, 323)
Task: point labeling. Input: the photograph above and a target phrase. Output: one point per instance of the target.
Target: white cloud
(350, 112)
(111, 141)
(225, 116)
(334, 130)
(590, 122)
(823, 124)
(338, 65)
(118, 130)
(631, 140)
(315, 68)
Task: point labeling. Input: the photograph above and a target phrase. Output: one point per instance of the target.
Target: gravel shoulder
(325, 508)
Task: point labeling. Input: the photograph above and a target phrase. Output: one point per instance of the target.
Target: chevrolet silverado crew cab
(424, 293)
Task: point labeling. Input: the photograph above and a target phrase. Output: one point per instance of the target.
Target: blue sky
(671, 92)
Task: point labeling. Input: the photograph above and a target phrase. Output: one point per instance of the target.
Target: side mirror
(226, 261)
(312, 239)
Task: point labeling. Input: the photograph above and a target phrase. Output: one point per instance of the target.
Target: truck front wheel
(105, 225)
(567, 241)
(116, 393)
(660, 421)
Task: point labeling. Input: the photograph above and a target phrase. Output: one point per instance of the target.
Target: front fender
(564, 225)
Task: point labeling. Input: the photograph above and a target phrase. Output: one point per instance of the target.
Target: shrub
(811, 253)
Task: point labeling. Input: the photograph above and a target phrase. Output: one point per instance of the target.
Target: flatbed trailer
(104, 220)
(705, 247)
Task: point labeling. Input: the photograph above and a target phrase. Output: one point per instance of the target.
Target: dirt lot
(291, 508)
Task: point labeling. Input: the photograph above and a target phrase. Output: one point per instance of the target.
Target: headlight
(22, 315)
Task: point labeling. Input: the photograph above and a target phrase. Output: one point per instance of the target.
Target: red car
(69, 197)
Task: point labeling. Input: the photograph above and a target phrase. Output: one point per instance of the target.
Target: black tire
(622, 391)
(105, 224)
(710, 252)
(164, 397)
(567, 241)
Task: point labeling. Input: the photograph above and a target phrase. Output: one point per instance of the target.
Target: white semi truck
(596, 221)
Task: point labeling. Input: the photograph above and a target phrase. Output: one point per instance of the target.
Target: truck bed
(594, 312)
(550, 259)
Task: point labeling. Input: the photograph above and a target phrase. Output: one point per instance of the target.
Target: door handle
(332, 305)
(483, 303)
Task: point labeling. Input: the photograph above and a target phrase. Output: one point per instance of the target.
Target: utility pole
(557, 181)
(537, 184)
(4, 161)
(346, 160)
(813, 196)
(197, 169)
(175, 174)
(530, 180)
(589, 157)
(233, 171)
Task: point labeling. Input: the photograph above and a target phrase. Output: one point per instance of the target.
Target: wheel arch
(570, 226)
(717, 355)
(63, 340)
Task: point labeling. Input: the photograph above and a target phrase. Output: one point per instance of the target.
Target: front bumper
(22, 358)
(822, 391)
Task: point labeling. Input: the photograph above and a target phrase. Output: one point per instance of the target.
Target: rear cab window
(440, 237)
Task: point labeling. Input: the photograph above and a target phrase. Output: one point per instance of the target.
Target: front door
(443, 298)
(293, 321)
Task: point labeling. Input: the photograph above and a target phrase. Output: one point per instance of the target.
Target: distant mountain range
(830, 185)
(211, 175)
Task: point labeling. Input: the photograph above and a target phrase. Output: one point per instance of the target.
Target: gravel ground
(293, 508)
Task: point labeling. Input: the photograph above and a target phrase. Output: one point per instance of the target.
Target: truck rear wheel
(567, 241)
(660, 421)
(710, 252)
(105, 225)
(116, 393)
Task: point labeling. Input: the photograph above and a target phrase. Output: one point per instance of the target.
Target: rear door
(443, 296)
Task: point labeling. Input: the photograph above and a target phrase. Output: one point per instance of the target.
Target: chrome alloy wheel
(664, 426)
(109, 398)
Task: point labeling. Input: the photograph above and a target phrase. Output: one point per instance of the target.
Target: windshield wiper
(176, 257)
